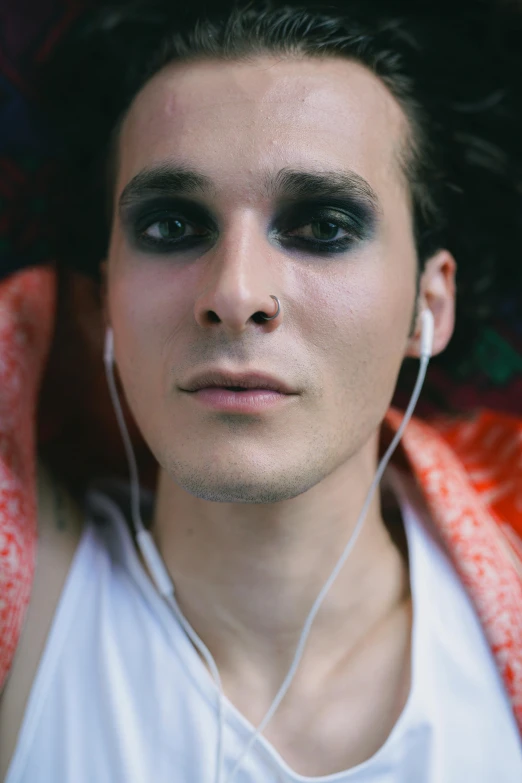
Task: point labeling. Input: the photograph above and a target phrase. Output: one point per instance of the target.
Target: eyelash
(341, 221)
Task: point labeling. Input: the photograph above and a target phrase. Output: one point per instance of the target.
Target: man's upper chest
(344, 721)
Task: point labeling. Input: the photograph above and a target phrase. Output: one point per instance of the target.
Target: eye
(324, 230)
(170, 229)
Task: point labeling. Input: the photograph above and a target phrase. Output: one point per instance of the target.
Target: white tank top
(121, 695)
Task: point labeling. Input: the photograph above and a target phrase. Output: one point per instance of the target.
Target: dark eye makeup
(176, 225)
(170, 216)
(356, 220)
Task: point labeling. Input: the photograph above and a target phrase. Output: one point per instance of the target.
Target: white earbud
(108, 352)
(428, 329)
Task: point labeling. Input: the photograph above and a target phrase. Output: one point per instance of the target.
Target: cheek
(150, 305)
(356, 312)
(149, 299)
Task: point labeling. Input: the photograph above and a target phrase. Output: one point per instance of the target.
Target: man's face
(345, 316)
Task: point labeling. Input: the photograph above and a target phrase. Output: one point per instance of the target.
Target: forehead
(236, 121)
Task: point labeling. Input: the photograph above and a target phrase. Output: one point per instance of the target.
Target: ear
(437, 291)
(104, 298)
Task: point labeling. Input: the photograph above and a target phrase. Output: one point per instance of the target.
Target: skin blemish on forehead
(270, 103)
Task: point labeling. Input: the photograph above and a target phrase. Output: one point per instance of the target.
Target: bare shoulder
(60, 522)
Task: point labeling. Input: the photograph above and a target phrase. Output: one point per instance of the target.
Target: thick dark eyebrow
(165, 180)
(287, 185)
(297, 185)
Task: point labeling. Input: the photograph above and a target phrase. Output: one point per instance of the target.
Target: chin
(241, 487)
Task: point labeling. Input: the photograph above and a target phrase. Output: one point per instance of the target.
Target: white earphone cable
(164, 583)
(151, 555)
(333, 576)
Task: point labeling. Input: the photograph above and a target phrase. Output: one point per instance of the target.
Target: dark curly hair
(455, 68)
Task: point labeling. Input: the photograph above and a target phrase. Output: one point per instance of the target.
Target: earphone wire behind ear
(164, 583)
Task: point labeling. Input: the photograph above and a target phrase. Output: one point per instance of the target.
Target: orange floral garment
(469, 471)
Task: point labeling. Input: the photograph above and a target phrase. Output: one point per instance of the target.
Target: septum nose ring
(272, 317)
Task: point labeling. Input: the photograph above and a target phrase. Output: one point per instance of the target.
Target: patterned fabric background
(28, 31)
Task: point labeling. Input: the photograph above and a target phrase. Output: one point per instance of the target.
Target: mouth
(238, 393)
(237, 382)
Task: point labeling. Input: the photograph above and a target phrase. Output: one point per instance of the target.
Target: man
(274, 248)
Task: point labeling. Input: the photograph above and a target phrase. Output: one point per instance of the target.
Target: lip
(251, 392)
(228, 380)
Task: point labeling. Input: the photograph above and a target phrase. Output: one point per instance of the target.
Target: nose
(240, 287)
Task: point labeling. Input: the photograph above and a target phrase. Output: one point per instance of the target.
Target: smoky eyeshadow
(351, 214)
(141, 214)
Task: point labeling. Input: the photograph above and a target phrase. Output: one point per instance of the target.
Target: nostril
(259, 317)
(213, 317)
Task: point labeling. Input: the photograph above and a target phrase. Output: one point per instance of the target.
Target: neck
(246, 576)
